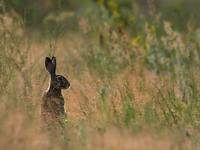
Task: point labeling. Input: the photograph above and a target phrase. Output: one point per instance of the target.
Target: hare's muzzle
(67, 85)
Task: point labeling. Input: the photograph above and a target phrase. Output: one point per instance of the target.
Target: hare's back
(52, 104)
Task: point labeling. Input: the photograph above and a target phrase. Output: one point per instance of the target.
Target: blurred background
(126, 13)
(133, 65)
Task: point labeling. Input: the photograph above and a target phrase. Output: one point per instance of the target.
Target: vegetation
(134, 69)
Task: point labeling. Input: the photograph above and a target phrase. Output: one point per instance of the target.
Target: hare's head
(58, 82)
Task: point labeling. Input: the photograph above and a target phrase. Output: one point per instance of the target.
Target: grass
(127, 91)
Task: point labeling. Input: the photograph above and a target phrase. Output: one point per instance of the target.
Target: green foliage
(169, 52)
(128, 107)
(110, 53)
(150, 114)
(104, 63)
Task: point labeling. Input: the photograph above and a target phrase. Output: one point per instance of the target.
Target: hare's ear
(49, 65)
(53, 60)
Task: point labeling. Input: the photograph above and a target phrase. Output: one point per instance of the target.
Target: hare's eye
(62, 79)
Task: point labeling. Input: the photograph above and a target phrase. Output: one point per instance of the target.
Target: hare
(52, 107)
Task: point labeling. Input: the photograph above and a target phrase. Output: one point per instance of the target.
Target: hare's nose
(66, 84)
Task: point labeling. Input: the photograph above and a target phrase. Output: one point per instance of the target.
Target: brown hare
(52, 107)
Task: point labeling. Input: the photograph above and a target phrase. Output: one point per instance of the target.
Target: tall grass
(126, 88)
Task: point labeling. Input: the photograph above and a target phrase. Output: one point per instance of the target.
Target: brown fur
(52, 107)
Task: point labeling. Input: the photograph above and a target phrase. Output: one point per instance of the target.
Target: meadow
(134, 70)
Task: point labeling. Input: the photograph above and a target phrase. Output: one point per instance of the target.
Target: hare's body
(52, 106)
